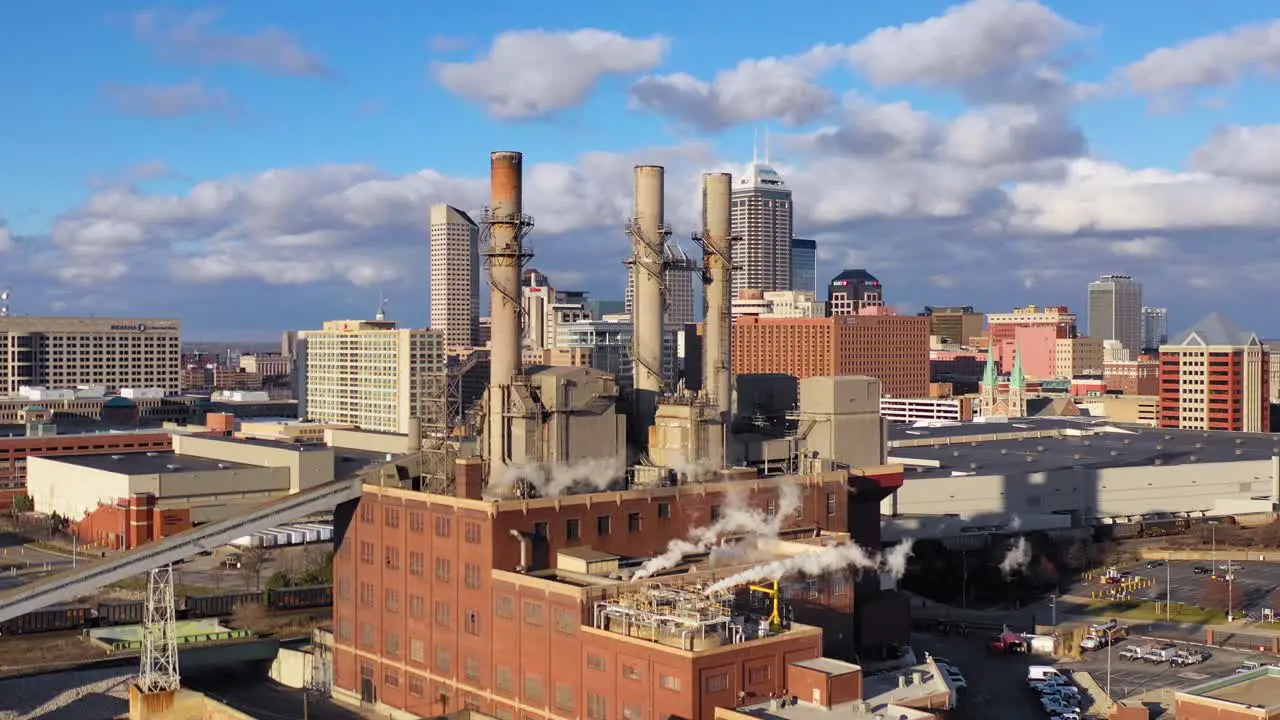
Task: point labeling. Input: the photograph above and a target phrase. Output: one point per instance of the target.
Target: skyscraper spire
(766, 146)
(755, 145)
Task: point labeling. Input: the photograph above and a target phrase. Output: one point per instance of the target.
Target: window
(415, 562)
(417, 650)
(502, 713)
(632, 712)
(415, 685)
(366, 635)
(366, 594)
(443, 525)
(595, 662)
(473, 623)
(633, 522)
(772, 507)
(366, 512)
(718, 682)
(564, 696)
(839, 585)
(597, 707)
(631, 672)
(416, 524)
(715, 513)
(392, 644)
(669, 682)
(502, 679)
(391, 678)
(564, 619)
(532, 613)
(444, 569)
(603, 525)
(391, 517)
(344, 588)
(417, 607)
(444, 659)
(444, 616)
(541, 530)
(391, 600)
(572, 529)
(831, 504)
(392, 557)
(811, 589)
(472, 669)
(758, 674)
(504, 606)
(344, 630)
(366, 552)
(533, 689)
(664, 511)
(472, 575)
(473, 533)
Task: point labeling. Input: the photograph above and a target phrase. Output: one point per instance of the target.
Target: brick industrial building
(452, 602)
(15, 451)
(891, 348)
(1215, 376)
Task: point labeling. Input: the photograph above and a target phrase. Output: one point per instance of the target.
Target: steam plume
(738, 518)
(694, 471)
(823, 562)
(1017, 559)
(552, 480)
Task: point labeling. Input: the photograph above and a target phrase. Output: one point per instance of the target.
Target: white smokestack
(649, 232)
(717, 378)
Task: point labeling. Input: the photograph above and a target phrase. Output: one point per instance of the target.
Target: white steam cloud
(553, 480)
(823, 562)
(694, 471)
(1017, 559)
(737, 518)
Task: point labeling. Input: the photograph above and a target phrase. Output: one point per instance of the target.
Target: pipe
(649, 236)
(523, 567)
(717, 257)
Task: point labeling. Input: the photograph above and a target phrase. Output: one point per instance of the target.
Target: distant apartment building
(1002, 327)
(804, 265)
(925, 409)
(781, 303)
(761, 224)
(455, 276)
(1215, 376)
(1045, 356)
(677, 281)
(852, 291)
(1115, 310)
(1133, 377)
(954, 325)
(1155, 328)
(606, 345)
(268, 366)
(68, 352)
(371, 374)
(893, 349)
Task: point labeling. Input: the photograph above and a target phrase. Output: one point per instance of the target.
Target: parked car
(1155, 563)
(1183, 658)
(1054, 706)
(1201, 570)
(1065, 716)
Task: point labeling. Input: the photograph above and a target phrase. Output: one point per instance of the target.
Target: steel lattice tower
(159, 671)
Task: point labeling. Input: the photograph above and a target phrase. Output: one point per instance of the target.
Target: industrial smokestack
(716, 244)
(649, 232)
(506, 226)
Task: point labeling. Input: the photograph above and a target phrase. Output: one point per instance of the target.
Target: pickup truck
(1183, 658)
(1137, 652)
(1162, 654)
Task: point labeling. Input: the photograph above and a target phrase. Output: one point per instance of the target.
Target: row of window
(417, 522)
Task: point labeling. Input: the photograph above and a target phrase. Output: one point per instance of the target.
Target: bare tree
(1216, 595)
(252, 562)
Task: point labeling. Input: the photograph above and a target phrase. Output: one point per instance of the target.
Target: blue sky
(252, 167)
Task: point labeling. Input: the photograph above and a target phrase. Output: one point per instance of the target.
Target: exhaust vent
(172, 467)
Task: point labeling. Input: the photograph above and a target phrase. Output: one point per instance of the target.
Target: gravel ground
(77, 695)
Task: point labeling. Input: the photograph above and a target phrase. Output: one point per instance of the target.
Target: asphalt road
(272, 701)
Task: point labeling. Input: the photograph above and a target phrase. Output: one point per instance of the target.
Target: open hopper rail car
(107, 614)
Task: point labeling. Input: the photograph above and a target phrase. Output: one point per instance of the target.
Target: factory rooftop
(893, 695)
(149, 463)
(1257, 689)
(1034, 446)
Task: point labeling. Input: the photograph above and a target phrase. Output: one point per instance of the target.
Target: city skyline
(276, 164)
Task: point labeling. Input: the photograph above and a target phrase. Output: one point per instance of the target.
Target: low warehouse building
(1254, 695)
(124, 500)
(1059, 473)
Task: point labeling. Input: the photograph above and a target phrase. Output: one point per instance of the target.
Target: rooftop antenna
(755, 145)
(4, 302)
(766, 146)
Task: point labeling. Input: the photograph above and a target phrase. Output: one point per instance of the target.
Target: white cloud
(1148, 246)
(532, 73)
(189, 98)
(6, 239)
(1252, 153)
(1211, 61)
(191, 38)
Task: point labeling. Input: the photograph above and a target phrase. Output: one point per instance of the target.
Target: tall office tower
(677, 282)
(955, 324)
(455, 276)
(371, 374)
(536, 298)
(761, 228)
(1155, 328)
(1215, 376)
(1115, 310)
(804, 265)
(852, 291)
(111, 353)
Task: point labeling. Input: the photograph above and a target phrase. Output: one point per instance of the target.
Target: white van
(1040, 673)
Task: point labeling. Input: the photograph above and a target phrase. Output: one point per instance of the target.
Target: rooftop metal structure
(683, 616)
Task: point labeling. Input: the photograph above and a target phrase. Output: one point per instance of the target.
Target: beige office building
(67, 352)
(371, 374)
(455, 277)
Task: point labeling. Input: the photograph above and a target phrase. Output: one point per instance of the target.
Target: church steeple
(1017, 379)
(990, 386)
(1016, 400)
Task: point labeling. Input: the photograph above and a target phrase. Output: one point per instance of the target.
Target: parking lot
(1253, 581)
(1000, 680)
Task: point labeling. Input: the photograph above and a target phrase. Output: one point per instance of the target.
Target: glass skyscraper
(804, 265)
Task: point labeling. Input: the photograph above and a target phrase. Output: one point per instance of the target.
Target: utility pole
(964, 587)
(1053, 603)
(1110, 639)
(1231, 574)
(1168, 588)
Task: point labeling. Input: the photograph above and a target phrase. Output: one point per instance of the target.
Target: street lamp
(1110, 642)
(1053, 605)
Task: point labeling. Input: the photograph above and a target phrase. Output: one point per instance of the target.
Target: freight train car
(313, 596)
(121, 613)
(63, 617)
(207, 606)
